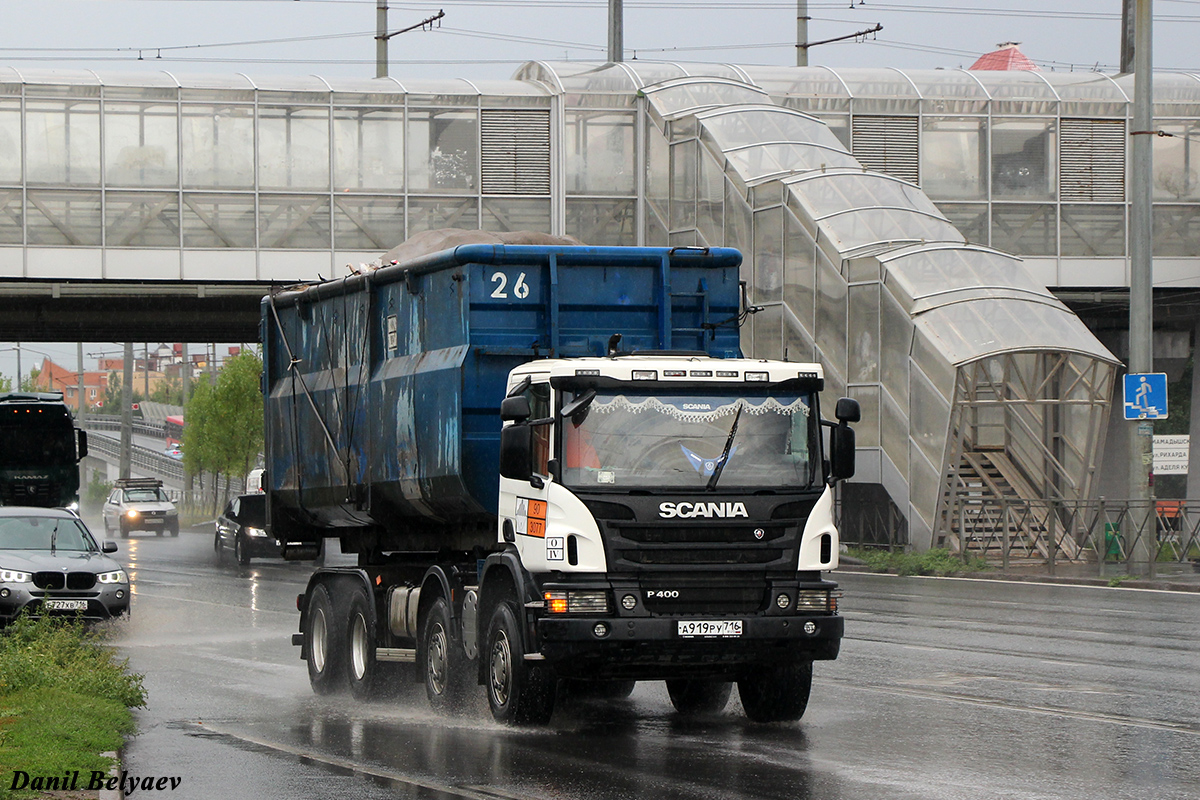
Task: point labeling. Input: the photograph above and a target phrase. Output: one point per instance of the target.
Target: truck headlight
(14, 576)
(116, 576)
(255, 532)
(816, 600)
(586, 601)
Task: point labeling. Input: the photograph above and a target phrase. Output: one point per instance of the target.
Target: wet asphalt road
(945, 689)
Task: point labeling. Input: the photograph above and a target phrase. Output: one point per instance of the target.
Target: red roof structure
(1006, 56)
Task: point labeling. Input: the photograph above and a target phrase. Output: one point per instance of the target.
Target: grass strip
(937, 561)
(65, 698)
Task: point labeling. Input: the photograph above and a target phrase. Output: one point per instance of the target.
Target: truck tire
(324, 641)
(440, 662)
(518, 692)
(777, 694)
(692, 696)
(362, 670)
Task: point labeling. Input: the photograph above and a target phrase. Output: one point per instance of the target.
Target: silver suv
(139, 504)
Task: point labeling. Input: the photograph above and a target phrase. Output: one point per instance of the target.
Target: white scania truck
(539, 505)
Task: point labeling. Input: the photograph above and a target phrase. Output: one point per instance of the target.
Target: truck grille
(749, 545)
(29, 493)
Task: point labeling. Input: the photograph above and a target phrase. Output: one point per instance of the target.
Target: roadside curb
(1159, 584)
(114, 772)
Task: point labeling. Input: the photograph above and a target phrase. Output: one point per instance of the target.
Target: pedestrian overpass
(877, 210)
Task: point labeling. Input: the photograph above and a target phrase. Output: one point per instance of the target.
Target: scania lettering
(554, 469)
(688, 510)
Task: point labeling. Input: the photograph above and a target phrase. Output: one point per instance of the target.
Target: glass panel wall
(218, 220)
(443, 150)
(141, 219)
(63, 218)
(293, 148)
(141, 145)
(62, 142)
(218, 146)
(368, 149)
(954, 158)
(10, 141)
(1024, 155)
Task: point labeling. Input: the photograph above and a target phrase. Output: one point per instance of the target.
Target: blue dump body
(382, 391)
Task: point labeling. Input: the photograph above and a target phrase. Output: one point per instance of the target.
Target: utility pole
(126, 459)
(1141, 284)
(382, 37)
(616, 31)
(801, 33)
(80, 384)
(1127, 35)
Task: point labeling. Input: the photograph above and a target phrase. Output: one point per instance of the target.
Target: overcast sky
(489, 39)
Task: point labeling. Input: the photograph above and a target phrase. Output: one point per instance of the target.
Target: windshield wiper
(716, 476)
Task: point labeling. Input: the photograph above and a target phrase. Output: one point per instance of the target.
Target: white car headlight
(116, 576)
(14, 576)
(255, 531)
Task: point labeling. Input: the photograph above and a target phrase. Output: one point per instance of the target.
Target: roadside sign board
(1146, 395)
(1171, 454)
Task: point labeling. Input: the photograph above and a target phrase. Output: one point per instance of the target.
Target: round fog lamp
(4, 592)
(783, 601)
(600, 629)
(629, 602)
(810, 627)
(120, 593)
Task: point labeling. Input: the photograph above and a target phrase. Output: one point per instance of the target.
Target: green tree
(114, 396)
(169, 391)
(5, 383)
(223, 433)
(30, 382)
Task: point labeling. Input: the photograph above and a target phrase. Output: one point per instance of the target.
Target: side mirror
(516, 451)
(82, 436)
(515, 409)
(847, 410)
(841, 450)
(108, 547)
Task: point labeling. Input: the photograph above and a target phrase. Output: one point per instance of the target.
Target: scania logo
(685, 510)
(759, 533)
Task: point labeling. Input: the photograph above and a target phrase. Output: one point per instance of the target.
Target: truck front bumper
(651, 648)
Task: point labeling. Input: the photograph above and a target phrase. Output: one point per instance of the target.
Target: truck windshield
(42, 446)
(683, 439)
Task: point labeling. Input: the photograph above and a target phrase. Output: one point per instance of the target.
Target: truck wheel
(692, 696)
(440, 665)
(778, 694)
(362, 669)
(241, 550)
(519, 693)
(325, 642)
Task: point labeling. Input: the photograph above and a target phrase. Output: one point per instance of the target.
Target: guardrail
(155, 463)
(1102, 532)
(112, 422)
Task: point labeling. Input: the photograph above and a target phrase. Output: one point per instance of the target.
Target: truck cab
(678, 500)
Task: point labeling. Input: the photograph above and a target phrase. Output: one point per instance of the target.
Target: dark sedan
(242, 529)
(51, 564)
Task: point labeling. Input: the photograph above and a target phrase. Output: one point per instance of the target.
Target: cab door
(523, 504)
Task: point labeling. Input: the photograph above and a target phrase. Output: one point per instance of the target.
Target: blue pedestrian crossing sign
(1146, 395)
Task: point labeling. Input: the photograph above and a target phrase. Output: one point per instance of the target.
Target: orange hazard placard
(537, 518)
